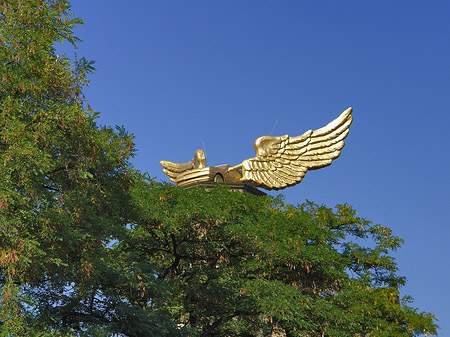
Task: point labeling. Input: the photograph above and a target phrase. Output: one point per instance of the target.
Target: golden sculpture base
(240, 187)
(218, 174)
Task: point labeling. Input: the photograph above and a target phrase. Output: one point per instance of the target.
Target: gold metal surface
(280, 161)
(196, 170)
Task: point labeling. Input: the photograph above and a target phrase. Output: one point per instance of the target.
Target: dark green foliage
(90, 247)
(63, 182)
(241, 265)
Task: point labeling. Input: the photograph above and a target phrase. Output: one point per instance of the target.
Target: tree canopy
(89, 246)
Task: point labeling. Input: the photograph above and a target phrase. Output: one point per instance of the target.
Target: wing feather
(286, 179)
(343, 118)
(174, 169)
(276, 180)
(266, 176)
(302, 138)
(318, 138)
(317, 151)
(283, 161)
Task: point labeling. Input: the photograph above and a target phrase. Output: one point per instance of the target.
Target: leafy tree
(243, 265)
(89, 246)
(64, 184)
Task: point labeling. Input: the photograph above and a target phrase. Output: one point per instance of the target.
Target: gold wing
(283, 161)
(174, 169)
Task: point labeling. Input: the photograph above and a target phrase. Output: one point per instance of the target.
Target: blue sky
(184, 75)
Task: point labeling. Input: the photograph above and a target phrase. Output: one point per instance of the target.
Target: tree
(89, 246)
(64, 182)
(243, 265)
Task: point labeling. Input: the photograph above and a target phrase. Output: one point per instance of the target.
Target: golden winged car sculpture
(280, 161)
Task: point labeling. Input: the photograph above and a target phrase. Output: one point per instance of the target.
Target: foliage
(63, 180)
(90, 247)
(242, 265)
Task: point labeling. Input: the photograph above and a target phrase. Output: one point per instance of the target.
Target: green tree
(90, 247)
(64, 184)
(243, 265)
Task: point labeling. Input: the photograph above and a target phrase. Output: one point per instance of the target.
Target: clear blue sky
(183, 75)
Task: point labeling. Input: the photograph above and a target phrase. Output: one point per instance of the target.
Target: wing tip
(347, 113)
